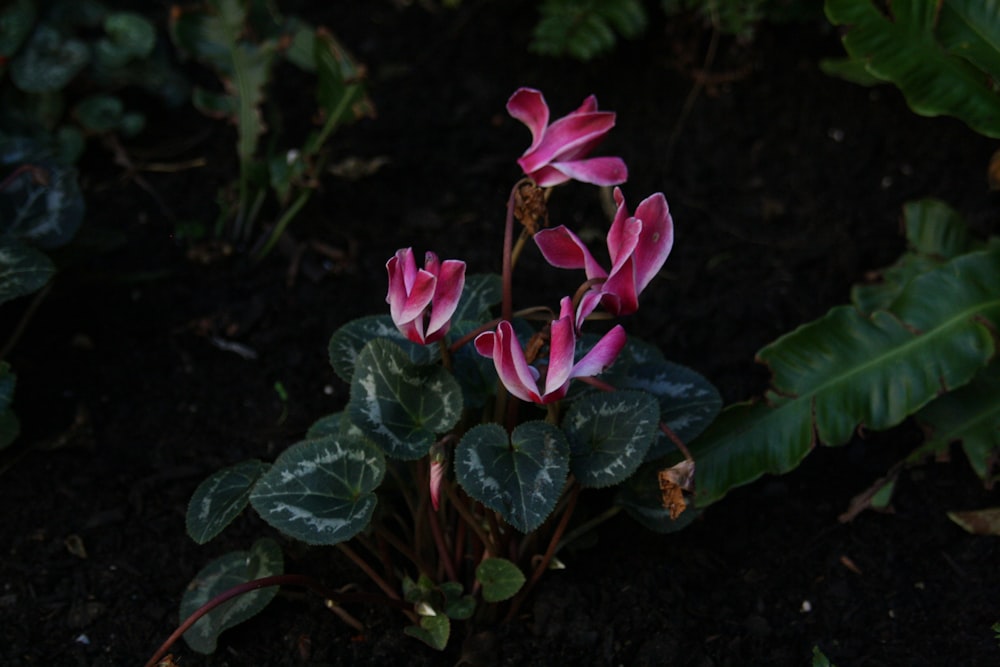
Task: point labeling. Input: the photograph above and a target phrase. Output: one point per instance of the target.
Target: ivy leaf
(520, 476)
(220, 499)
(609, 435)
(401, 406)
(500, 578)
(321, 491)
(264, 559)
(433, 631)
(348, 341)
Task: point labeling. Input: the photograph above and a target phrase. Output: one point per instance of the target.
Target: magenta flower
(522, 380)
(422, 301)
(638, 245)
(557, 150)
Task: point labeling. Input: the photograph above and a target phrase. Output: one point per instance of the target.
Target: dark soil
(786, 188)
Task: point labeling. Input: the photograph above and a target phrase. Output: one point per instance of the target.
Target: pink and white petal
(562, 348)
(617, 229)
(450, 283)
(528, 106)
(564, 250)
(657, 238)
(626, 242)
(566, 134)
(546, 177)
(589, 105)
(601, 355)
(413, 330)
(417, 298)
(597, 170)
(588, 304)
(438, 469)
(621, 287)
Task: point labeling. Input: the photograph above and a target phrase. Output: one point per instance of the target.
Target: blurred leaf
(48, 62)
(264, 559)
(100, 113)
(584, 29)
(17, 18)
(23, 269)
(978, 522)
(221, 498)
(433, 631)
(129, 37)
(40, 202)
(321, 491)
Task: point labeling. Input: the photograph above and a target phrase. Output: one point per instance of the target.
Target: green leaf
(935, 234)
(687, 401)
(9, 427)
(100, 113)
(433, 631)
(321, 491)
(609, 435)
(401, 406)
(846, 368)
(482, 291)
(348, 341)
(129, 37)
(23, 269)
(585, 28)
(937, 59)
(17, 19)
(41, 204)
(970, 415)
(820, 660)
(457, 606)
(500, 578)
(262, 560)
(48, 62)
(521, 477)
(220, 499)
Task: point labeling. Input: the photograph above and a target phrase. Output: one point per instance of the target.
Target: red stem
(266, 582)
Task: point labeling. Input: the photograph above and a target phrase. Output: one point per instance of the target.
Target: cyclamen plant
(458, 462)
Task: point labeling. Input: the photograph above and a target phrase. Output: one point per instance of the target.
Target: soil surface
(143, 371)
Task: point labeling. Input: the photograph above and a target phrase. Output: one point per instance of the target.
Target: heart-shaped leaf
(348, 341)
(220, 499)
(500, 578)
(23, 269)
(321, 491)
(402, 407)
(264, 559)
(433, 631)
(609, 435)
(521, 477)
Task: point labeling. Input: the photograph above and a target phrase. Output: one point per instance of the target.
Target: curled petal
(450, 283)
(562, 348)
(528, 106)
(437, 475)
(564, 250)
(657, 238)
(597, 171)
(569, 137)
(601, 355)
(515, 373)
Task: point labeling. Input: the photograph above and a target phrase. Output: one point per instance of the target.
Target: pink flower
(556, 151)
(422, 301)
(522, 379)
(437, 475)
(638, 245)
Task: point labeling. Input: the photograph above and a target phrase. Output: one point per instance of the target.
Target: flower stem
(267, 582)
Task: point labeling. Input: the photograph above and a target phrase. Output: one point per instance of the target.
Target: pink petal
(417, 298)
(601, 355)
(598, 171)
(528, 106)
(626, 241)
(619, 293)
(408, 266)
(437, 474)
(564, 250)
(520, 379)
(569, 136)
(589, 104)
(657, 238)
(450, 283)
(588, 304)
(547, 176)
(562, 348)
